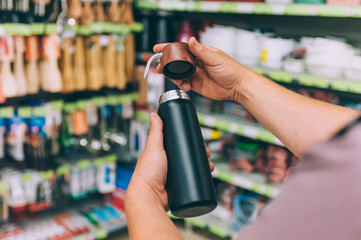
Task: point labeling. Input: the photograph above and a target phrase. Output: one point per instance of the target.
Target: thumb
(205, 53)
(155, 136)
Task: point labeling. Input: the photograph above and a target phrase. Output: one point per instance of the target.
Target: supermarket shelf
(238, 126)
(253, 8)
(52, 28)
(213, 225)
(228, 124)
(307, 80)
(254, 182)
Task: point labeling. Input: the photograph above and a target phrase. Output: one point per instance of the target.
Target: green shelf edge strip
(247, 130)
(7, 29)
(260, 188)
(322, 10)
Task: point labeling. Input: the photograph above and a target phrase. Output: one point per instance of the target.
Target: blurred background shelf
(253, 8)
(255, 182)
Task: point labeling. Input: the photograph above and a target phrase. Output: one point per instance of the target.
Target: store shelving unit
(253, 8)
(308, 80)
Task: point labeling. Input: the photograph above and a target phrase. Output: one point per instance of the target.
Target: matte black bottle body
(189, 182)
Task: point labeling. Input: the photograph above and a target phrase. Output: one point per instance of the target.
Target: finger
(211, 166)
(158, 69)
(205, 53)
(208, 152)
(185, 85)
(159, 47)
(155, 137)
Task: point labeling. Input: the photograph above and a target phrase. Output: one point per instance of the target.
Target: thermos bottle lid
(172, 95)
(179, 70)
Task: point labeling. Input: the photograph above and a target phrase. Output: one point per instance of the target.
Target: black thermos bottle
(189, 182)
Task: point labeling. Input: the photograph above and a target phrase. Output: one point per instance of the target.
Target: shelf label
(4, 186)
(209, 121)
(218, 230)
(281, 76)
(340, 85)
(250, 131)
(197, 221)
(263, 8)
(228, 7)
(243, 182)
(233, 128)
(172, 5)
(245, 7)
(279, 9)
(333, 11)
(355, 87)
(357, 11)
(210, 6)
(298, 9)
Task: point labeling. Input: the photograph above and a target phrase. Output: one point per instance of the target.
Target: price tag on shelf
(242, 182)
(298, 9)
(356, 11)
(228, 7)
(233, 128)
(144, 4)
(172, 5)
(333, 11)
(281, 76)
(250, 131)
(245, 7)
(263, 8)
(7, 112)
(278, 9)
(210, 6)
(209, 121)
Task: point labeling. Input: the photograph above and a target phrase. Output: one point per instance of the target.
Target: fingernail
(151, 117)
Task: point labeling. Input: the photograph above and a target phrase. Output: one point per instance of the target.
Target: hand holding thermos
(189, 182)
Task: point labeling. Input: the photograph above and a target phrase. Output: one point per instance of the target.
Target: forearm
(147, 219)
(296, 120)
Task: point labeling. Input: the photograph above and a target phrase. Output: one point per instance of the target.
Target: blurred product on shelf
(236, 207)
(246, 156)
(84, 41)
(329, 57)
(90, 222)
(185, 32)
(54, 151)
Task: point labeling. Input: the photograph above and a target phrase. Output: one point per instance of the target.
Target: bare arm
(296, 120)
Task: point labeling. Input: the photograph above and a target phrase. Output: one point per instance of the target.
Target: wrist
(139, 192)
